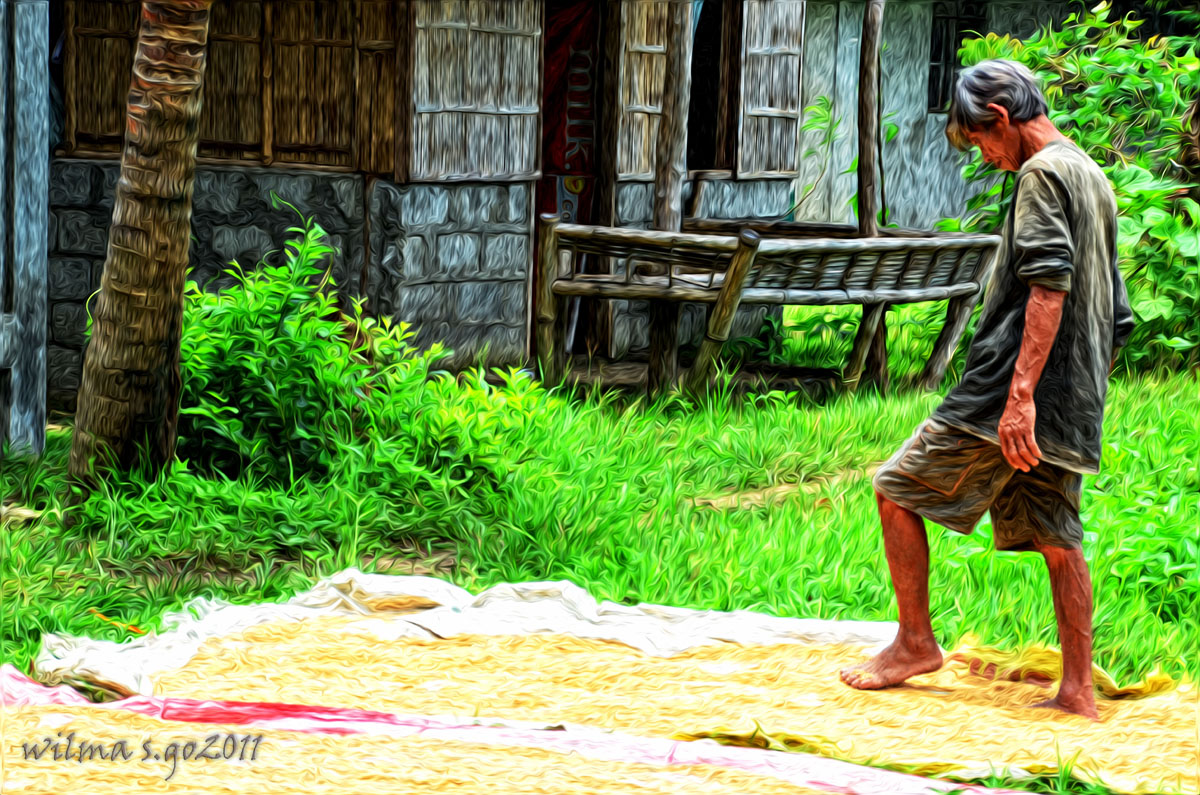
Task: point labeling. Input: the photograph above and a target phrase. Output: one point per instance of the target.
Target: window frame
(957, 21)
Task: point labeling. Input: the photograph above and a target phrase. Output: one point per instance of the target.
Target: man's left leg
(1071, 588)
(1039, 510)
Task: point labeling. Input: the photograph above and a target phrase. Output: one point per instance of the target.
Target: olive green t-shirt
(1061, 233)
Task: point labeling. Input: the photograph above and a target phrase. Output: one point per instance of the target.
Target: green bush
(1124, 101)
(278, 384)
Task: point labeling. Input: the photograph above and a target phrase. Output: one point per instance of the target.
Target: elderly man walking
(1017, 433)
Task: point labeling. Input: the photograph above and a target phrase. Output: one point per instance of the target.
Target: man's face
(999, 142)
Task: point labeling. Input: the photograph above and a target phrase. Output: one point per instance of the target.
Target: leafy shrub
(276, 383)
(1125, 102)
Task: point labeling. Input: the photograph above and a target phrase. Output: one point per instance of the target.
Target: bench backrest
(704, 252)
(823, 263)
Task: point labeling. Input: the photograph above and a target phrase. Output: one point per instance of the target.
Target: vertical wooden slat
(868, 117)
(604, 208)
(818, 81)
(538, 78)
(870, 351)
(70, 77)
(670, 151)
(268, 84)
(404, 93)
(670, 171)
(6, 249)
(356, 137)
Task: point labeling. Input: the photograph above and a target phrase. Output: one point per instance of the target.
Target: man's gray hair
(1009, 84)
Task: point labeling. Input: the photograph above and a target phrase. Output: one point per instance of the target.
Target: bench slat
(656, 287)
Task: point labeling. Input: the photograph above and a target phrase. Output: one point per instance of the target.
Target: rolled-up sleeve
(1043, 250)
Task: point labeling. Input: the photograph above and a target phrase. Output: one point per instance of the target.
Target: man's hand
(1043, 314)
(1017, 443)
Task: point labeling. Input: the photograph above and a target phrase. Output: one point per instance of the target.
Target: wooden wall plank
(906, 32)
(820, 60)
(843, 184)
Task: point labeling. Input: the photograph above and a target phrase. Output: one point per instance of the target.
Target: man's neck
(1035, 134)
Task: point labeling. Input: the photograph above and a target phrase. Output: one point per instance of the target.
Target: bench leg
(551, 308)
(958, 314)
(664, 346)
(876, 369)
(720, 319)
(863, 341)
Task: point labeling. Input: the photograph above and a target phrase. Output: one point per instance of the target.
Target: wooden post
(25, 161)
(870, 351)
(670, 171)
(723, 311)
(957, 316)
(550, 344)
(268, 86)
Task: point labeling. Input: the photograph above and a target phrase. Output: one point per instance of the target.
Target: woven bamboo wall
(476, 89)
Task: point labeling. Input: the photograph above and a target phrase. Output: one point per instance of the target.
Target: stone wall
(451, 260)
(232, 220)
(454, 261)
(718, 199)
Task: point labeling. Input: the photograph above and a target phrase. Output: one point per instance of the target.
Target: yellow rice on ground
(295, 762)
(939, 722)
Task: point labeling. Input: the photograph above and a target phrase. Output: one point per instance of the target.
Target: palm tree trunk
(129, 396)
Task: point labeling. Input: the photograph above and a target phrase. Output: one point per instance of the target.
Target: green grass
(528, 484)
(599, 494)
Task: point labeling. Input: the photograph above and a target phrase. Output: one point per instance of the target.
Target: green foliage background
(1124, 99)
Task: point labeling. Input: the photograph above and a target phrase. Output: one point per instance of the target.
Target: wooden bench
(761, 264)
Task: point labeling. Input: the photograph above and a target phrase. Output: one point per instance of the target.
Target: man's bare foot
(1077, 704)
(892, 666)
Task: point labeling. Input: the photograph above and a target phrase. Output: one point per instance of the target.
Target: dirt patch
(16, 515)
(758, 498)
(412, 562)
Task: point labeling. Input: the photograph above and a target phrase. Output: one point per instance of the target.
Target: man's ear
(1001, 113)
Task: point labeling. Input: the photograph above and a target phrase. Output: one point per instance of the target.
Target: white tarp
(507, 609)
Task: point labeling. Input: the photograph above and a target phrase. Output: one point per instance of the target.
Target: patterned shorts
(952, 477)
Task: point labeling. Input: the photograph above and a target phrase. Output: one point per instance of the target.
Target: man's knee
(1058, 552)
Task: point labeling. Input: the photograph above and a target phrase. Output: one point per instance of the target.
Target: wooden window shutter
(643, 72)
(231, 120)
(476, 89)
(379, 25)
(100, 44)
(769, 129)
(313, 80)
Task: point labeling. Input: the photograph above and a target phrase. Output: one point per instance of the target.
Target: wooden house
(426, 135)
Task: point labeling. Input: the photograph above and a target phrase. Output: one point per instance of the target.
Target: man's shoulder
(1064, 159)
(1074, 172)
